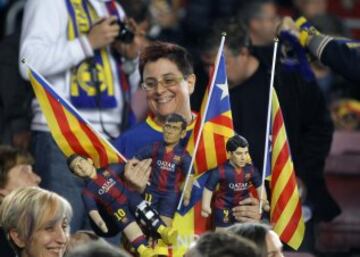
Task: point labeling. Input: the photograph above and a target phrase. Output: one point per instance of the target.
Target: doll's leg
(223, 218)
(139, 242)
(149, 217)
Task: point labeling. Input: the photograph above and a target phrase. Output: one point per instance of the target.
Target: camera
(125, 35)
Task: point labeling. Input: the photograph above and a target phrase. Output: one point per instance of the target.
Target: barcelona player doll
(105, 188)
(169, 168)
(235, 179)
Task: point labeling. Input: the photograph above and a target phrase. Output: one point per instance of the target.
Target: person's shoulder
(139, 128)
(136, 138)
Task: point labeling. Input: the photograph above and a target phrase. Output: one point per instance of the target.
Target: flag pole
(268, 121)
(28, 65)
(197, 142)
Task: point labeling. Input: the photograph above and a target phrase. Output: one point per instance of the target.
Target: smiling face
(50, 240)
(165, 100)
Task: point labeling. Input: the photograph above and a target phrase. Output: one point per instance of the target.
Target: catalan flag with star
(285, 207)
(207, 143)
(72, 133)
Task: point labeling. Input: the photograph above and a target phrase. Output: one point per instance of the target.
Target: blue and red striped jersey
(234, 184)
(169, 169)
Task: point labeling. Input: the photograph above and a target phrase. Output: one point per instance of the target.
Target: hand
(302, 189)
(186, 199)
(137, 173)
(130, 50)
(95, 216)
(103, 32)
(265, 205)
(205, 212)
(164, 14)
(247, 211)
(288, 24)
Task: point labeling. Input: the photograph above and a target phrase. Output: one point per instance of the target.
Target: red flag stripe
(280, 162)
(223, 121)
(278, 123)
(201, 223)
(283, 199)
(98, 145)
(293, 224)
(201, 155)
(65, 127)
(220, 144)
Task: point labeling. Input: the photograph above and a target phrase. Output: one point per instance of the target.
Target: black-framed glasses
(167, 81)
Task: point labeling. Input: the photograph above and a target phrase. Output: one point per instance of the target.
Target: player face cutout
(83, 167)
(173, 132)
(239, 157)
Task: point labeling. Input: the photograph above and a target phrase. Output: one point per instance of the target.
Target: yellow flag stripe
(211, 160)
(298, 235)
(83, 139)
(218, 129)
(50, 117)
(283, 179)
(285, 217)
(278, 145)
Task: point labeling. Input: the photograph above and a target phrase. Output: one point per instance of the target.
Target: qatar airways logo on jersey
(238, 186)
(164, 165)
(109, 183)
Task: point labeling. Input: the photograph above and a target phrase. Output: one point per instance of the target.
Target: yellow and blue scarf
(92, 81)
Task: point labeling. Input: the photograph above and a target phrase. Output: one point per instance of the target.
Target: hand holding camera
(103, 32)
(127, 43)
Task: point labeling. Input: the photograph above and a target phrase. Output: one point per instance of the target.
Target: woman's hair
(172, 52)
(254, 232)
(218, 244)
(29, 209)
(9, 158)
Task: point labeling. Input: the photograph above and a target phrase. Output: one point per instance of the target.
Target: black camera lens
(125, 35)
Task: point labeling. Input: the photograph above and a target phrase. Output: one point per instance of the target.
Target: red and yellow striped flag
(286, 213)
(72, 133)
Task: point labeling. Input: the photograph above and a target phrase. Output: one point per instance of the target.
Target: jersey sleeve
(213, 179)
(186, 160)
(89, 200)
(256, 177)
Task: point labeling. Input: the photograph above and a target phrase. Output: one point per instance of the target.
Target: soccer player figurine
(106, 189)
(235, 177)
(170, 164)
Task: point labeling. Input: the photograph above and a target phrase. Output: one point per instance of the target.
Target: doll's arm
(206, 202)
(263, 199)
(187, 190)
(98, 220)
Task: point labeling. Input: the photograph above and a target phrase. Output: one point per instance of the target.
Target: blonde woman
(36, 222)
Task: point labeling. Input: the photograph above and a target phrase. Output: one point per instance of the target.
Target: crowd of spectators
(174, 43)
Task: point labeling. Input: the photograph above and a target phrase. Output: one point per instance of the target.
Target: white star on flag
(224, 89)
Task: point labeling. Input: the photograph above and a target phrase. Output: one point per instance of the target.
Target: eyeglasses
(168, 81)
